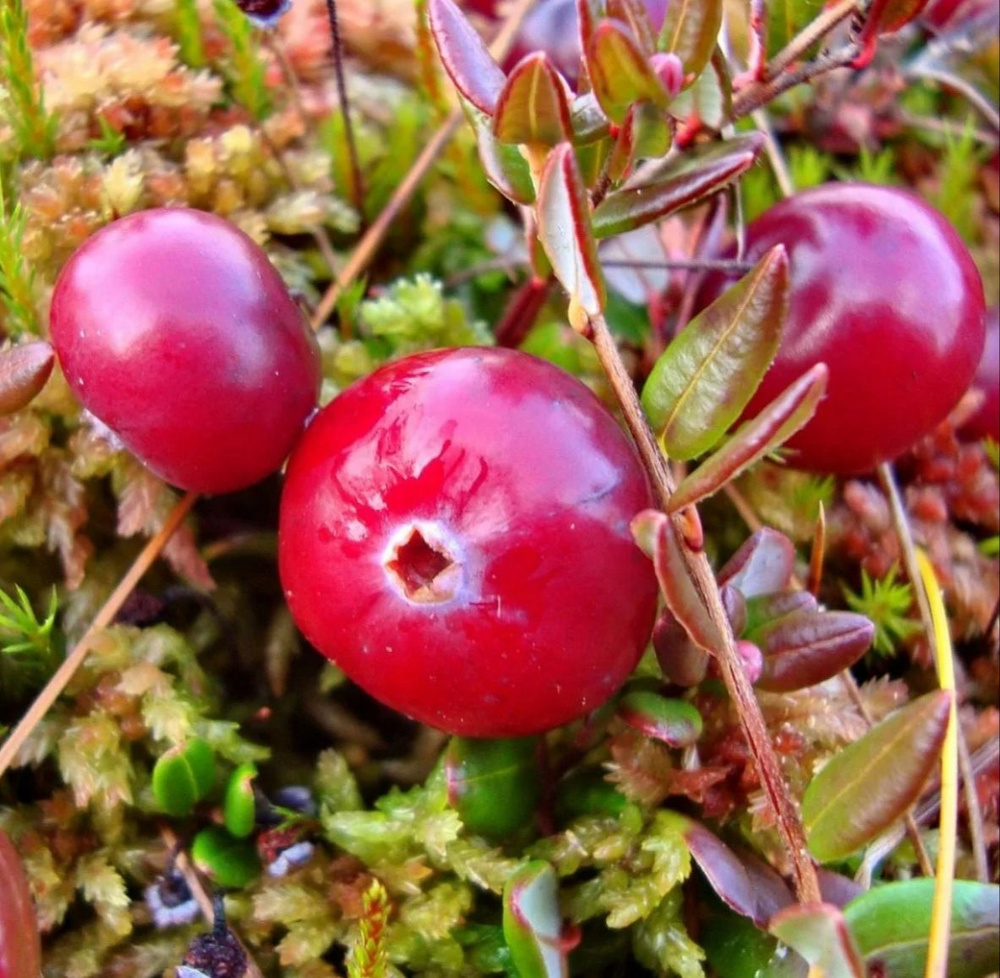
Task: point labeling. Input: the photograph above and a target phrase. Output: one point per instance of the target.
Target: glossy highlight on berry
(884, 292)
(454, 534)
(173, 328)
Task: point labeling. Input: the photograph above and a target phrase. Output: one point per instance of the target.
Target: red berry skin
(985, 423)
(174, 329)
(885, 293)
(507, 479)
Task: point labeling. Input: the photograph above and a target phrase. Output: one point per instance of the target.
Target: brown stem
(372, 239)
(104, 617)
(783, 806)
(357, 182)
(848, 681)
(810, 34)
(760, 93)
(901, 524)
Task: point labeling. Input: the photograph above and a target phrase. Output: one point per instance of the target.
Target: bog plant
(468, 533)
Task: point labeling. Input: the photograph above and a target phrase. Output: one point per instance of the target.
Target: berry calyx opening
(422, 565)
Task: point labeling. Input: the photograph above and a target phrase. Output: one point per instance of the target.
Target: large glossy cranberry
(173, 328)
(454, 534)
(985, 423)
(884, 292)
(552, 26)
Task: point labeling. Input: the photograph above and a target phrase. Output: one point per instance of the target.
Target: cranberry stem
(733, 674)
(104, 617)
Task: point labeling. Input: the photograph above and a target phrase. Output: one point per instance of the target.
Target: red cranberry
(454, 534)
(174, 329)
(884, 292)
(552, 26)
(985, 423)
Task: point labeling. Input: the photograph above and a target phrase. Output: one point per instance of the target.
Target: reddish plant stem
(847, 680)
(104, 617)
(783, 806)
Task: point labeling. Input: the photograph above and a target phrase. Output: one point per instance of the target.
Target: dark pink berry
(454, 534)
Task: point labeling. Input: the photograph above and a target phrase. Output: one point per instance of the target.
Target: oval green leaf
(891, 924)
(820, 934)
(620, 73)
(708, 374)
(183, 776)
(872, 782)
(785, 415)
(565, 232)
(239, 809)
(684, 180)
(674, 722)
(228, 862)
(532, 925)
(504, 166)
(493, 784)
(690, 31)
(533, 106)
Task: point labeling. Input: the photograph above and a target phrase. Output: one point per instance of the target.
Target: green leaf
(675, 722)
(785, 415)
(644, 134)
(239, 810)
(532, 924)
(872, 782)
(892, 923)
(533, 105)
(690, 31)
(619, 71)
(504, 166)
(183, 776)
(684, 180)
(707, 103)
(494, 784)
(228, 862)
(708, 374)
(819, 933)
(657, 536)
(465, 57)
(565, 232)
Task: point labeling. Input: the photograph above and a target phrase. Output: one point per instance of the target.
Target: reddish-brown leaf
(784, 416)
(684, 180)
(464, 55)
(763, 564)
(657, 536)
(809, 647)
(24, 370)
(20, 947)
(565, 232)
